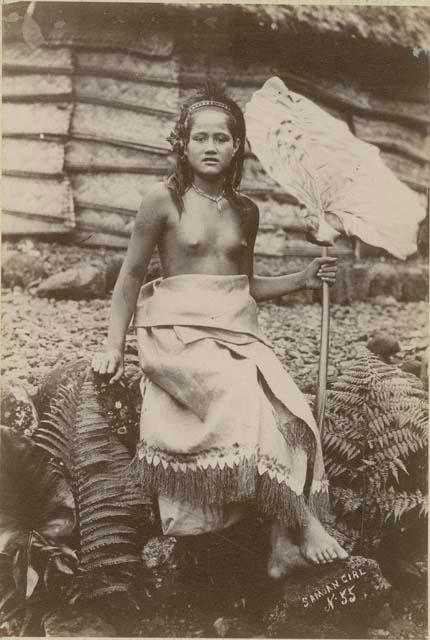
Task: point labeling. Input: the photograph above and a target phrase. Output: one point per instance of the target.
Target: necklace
(216, 199)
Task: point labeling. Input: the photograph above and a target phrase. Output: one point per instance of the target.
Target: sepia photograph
(215, 278)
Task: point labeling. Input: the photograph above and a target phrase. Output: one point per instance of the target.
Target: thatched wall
(87, 110)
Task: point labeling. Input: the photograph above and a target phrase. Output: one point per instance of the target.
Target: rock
(75, 622)
(412, 365)
(330, 600)
(385, 281)
(21, 269)
(17, 408)
(158, 551)
(27, 246)
(385, 301)
(122, 410)
(113, 268)
(414, 284)
(383, 345)
(76, 284)
(403, 627)
(233, 628)
(222, 627)
(165, 560)
(383, 618)
(411, 574)
(378, 633)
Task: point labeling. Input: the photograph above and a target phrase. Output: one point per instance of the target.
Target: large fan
(316, 159)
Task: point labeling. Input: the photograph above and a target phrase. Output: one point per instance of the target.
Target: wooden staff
(323, 363)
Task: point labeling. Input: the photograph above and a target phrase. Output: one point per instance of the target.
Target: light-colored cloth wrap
(222, 421)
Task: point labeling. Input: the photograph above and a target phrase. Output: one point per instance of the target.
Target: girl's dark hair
(181, 177)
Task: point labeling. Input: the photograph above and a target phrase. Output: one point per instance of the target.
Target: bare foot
(317, 545)
(285, 556)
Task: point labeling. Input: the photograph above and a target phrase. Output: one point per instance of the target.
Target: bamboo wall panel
(88, 237)
(271, 242)
(128, 66)
(24, 225)
(32, 156)
(24, 85)
(277, 242)
(109, 124)
(122, 191)
(83, 154)
(137, 94)
(19, 56)
(398, 137)
(273, 213)
(36, 118)
(254, 176)
(38, 199)
(101, 221)
(349, 98)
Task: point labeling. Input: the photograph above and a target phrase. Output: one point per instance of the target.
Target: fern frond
(347, 500)
(396, 504)
(77, 432)
(375, 445)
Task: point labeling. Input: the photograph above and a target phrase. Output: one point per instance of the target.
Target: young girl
(222, 422)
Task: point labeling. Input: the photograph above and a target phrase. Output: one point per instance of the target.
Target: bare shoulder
(156, 197)
(155, 203)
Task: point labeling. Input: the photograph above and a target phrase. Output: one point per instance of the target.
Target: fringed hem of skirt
(240, 483)
(319, 502)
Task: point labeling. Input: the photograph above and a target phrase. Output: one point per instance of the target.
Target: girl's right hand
(109, 362)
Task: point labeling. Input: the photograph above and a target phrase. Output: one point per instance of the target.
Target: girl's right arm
(147, 230)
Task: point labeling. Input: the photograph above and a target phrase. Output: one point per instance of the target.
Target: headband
(209, 103)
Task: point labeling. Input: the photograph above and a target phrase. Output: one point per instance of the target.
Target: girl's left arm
(265, 288)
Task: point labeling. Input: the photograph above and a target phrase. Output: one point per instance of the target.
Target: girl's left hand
(320, 270)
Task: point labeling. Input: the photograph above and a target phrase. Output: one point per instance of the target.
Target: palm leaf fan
(317, 159)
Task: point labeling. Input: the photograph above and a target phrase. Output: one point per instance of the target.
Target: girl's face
(211, 146)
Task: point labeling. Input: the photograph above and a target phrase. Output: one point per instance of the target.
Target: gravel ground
(38, 334)
(41, 333)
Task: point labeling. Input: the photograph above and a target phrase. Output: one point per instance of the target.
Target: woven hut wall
(88, 107)
(37, 110)
(88, 110)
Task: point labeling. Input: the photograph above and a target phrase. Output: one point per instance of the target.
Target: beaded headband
(210, 103)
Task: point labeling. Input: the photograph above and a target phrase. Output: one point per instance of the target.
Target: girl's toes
(341, 553)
